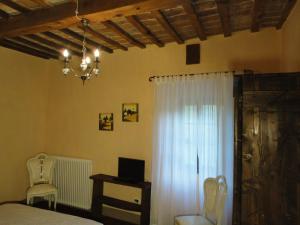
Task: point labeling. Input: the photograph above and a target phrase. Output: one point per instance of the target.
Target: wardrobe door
(270, 149)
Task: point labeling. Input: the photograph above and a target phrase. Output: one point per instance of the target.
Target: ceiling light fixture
(88, 69)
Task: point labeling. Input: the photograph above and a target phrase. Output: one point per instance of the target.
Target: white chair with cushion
(215, 192)
(40, 170)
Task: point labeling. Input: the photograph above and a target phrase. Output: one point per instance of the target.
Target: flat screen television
(131, 170)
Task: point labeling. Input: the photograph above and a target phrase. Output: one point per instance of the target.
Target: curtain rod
(235, 73)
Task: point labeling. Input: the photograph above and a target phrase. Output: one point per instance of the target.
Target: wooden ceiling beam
(194, 18)
(15, 6)
(51, 44)
(117, 29)
(21, 48)
(134, 20)
(37, 46)
(258, 9)
(65, 41)
(223, 9)
(4, 14)
(104, 38)
(88, 41)
(163, 21)
(43, 3)
(286, 11)
(63, 15)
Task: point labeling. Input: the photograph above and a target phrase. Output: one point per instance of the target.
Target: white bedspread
(17, 214)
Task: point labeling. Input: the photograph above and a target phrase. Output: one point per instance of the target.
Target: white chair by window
(40, 170)
(215, 192)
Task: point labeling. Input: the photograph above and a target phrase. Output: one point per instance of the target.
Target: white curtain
(193, 140)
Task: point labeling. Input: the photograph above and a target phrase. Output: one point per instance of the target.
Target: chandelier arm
(91, 71)
(67, 64)
(73, 72)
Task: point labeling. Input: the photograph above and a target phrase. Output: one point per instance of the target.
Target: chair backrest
(215, 193)
(40, 169)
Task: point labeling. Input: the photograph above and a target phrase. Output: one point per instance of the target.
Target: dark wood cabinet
(99, 198)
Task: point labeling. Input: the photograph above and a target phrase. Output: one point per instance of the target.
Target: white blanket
(17, 214)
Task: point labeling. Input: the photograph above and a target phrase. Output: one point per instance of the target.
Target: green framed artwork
(106, 121)
(130, 112)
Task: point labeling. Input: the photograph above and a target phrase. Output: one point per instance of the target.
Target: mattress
(17, 214)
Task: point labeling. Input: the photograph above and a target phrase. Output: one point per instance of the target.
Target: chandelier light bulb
(88, 60)
(97, 53)
(66, 53)
(84, 64)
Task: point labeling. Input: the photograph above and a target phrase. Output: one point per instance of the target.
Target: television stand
(126, 180)
(99, 199)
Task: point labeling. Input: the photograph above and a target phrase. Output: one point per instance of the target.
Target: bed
(18, 214)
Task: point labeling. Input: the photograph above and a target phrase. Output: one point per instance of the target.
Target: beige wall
(72, 115)
(23, 96)
(43, 111)
(291, 41)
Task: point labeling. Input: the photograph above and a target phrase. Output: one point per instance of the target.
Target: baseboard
(11, 202)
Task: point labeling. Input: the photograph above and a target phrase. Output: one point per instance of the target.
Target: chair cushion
(192, 220)
(42, 189)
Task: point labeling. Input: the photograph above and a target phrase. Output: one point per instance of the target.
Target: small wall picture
(106, 121)
(130, 112)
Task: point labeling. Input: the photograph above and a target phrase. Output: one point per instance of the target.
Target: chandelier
(88, 68)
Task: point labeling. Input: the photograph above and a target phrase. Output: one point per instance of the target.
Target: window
(200, 132)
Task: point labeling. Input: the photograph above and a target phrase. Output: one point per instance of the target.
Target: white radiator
(71, 177)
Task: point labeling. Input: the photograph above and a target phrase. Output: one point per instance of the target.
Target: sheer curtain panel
(193, 140)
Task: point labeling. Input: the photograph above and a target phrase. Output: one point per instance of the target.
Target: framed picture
(130, 112)
(106, 121)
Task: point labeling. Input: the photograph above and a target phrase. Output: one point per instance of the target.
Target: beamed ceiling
(44, 27)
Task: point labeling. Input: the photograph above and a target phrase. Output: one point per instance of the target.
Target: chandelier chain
(84, 41)
(77, 10)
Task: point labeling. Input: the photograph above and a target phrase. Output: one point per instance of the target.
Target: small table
(99, 199)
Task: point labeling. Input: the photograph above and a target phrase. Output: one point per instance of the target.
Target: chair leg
(28, 200)
(55, 199)
(49, 202)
